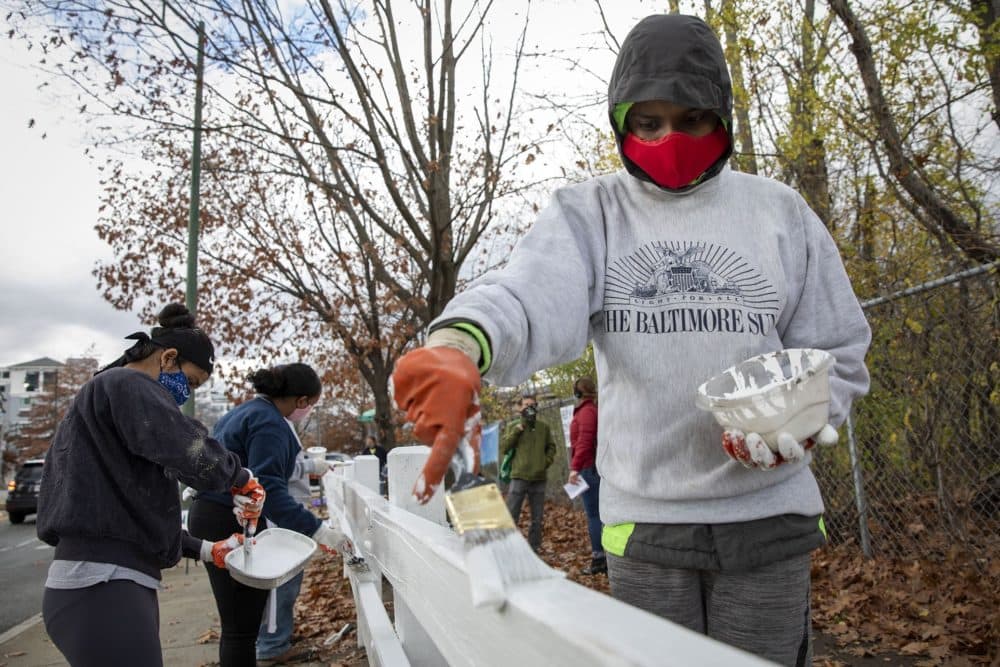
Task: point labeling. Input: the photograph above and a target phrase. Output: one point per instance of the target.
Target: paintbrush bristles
(518, 562)
(498, 559)
(496, 554)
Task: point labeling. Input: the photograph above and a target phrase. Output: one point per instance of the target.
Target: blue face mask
(177, 385)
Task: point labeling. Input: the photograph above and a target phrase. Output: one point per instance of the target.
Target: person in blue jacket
(258, 431)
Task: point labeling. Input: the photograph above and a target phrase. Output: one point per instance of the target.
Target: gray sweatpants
(763, 611)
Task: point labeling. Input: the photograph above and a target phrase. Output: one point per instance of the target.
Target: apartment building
(22, 383)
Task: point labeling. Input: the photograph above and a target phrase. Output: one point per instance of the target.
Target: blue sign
(489, 447)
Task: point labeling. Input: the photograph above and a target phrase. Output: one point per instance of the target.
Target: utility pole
(191, 298)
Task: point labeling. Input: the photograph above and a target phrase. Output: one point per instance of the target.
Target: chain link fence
(917, 470)
(921, 470)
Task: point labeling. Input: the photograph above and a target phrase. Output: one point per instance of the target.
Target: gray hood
(678, 59)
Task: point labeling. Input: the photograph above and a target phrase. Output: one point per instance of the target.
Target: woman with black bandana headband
(109, 500)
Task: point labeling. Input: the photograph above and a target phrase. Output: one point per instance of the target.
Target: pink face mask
(676, 159)
(299, 414)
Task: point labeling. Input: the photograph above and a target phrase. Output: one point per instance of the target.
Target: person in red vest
(583, 444)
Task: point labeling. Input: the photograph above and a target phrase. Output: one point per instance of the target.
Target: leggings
(113, 623)
(240, 607)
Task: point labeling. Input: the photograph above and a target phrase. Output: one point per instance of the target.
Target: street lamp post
(191, 296)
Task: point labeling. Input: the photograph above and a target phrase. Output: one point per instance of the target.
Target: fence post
(859, 489)
(366, 471)
(404, 464)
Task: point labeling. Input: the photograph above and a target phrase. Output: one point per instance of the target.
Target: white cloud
(49, 304)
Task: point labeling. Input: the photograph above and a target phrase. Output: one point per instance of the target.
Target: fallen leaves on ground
(941, 609)
(324, 606)
(208, 636)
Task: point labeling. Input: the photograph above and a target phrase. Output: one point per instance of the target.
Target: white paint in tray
(273, 558)
(278, 554)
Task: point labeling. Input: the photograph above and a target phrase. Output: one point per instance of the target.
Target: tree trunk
(809, 163)
(985, 14)
(747, 160)
(973, 244)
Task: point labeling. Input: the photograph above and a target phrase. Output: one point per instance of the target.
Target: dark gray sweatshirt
(109, 490)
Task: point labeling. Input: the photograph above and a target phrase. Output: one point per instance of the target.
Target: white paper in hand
(573, 490)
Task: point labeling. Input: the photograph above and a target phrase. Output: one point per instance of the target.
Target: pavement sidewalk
(189, 627)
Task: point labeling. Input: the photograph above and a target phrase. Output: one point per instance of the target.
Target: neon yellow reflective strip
(485, 355)
(614, 538)
(822, 527)
(619, 113)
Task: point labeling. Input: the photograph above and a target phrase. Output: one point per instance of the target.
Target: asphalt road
(24, 563)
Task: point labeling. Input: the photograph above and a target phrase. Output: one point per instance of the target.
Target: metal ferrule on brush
(476, 504)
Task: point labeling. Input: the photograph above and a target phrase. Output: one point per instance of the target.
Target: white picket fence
(548, 622)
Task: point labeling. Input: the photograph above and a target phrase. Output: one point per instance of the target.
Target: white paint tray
(787, 391)
(278, 555)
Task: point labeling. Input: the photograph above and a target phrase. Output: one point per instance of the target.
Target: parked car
(22, 491)
(337, 456)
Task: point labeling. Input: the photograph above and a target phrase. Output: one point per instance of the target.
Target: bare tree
(355, 113)
(985, 16)
(929, 206)
(746, 159)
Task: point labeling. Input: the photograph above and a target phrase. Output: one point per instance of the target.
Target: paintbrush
(496, 554)
(249, 529)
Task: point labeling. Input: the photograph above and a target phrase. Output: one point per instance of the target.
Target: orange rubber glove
(438, 387)
(248, 502)
(223, 547)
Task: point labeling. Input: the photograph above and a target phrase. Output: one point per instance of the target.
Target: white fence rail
(548, 622)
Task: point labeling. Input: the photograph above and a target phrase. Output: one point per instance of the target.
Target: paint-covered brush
(438, 386)
(249, 530)
(496, 554)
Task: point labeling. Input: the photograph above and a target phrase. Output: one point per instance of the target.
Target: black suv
(22, 491)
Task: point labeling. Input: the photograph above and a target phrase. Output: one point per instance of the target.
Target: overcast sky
(49, 192)
(49, 304)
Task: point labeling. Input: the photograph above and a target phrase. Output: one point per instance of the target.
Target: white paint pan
(787, 391)
(278, 555)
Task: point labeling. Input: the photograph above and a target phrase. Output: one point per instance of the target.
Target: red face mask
(676, 159)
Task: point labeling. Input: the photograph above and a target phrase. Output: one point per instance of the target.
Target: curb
(20, 627)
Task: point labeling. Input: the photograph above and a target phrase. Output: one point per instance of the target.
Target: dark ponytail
(286, 380)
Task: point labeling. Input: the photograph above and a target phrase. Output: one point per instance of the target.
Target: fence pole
(405, 464)
(191, 294)
(859, 489)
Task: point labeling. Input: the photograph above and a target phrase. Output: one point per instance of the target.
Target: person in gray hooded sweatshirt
(676, 268)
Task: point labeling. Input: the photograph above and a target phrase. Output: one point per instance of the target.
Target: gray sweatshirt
(672, 288)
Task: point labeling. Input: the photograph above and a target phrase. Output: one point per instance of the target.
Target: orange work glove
(223, 547)
(438, 387)
(248, 502)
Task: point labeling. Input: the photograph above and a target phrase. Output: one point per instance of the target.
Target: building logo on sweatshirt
(698, 287)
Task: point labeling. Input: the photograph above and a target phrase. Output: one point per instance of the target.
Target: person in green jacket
(535, 450)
